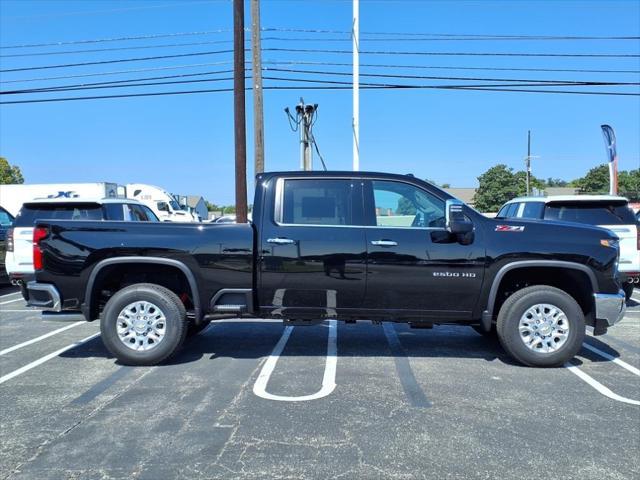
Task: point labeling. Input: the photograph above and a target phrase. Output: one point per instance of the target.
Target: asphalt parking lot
(253, 399)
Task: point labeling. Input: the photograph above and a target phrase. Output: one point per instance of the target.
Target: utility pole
(528, 161)
(239, 111)
(356, 85)
(303, 121)
(258, 117)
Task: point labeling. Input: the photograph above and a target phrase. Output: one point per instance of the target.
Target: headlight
(609, 243)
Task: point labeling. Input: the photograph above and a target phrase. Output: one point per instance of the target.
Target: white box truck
(163, 204)
(13, 196)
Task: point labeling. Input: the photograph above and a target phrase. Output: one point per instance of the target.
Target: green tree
(446, 185)
(595, 181)
(9, 173)
(500, 184)
(629, 183)
(556, 182)
(211, 207)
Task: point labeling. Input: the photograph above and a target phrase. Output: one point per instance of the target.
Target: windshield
(175, 205)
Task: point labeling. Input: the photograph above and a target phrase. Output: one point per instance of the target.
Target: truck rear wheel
(143, 324)
(628, 290)
(541, 326)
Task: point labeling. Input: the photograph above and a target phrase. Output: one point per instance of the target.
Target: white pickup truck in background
(607, 211)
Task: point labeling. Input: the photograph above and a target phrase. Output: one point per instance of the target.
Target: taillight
(9, 241)
(39, 233)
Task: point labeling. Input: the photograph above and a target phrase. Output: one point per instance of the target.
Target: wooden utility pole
(239, 111)
(258, 118)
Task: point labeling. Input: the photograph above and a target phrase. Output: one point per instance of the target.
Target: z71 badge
(510, 228)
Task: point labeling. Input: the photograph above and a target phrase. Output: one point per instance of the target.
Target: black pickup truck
(344, 245)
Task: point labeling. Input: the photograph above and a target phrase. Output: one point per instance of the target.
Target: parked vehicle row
(611, 212)
(6, 222)
(19, 249)
(163, 204)
(345, 245)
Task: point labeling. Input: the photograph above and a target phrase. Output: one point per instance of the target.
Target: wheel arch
(90, 307)
(521, 266)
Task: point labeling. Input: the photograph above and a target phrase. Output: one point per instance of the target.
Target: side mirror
(455, 220)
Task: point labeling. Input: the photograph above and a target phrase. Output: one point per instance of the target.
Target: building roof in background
(551, 191)
(464, 194)
(193, 200)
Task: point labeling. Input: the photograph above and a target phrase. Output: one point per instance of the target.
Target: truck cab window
(318, 202)
(400, 204)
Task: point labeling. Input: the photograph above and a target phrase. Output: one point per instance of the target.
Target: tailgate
(629, 255)
(23, 249)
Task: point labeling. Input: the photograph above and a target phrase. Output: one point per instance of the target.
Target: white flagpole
(356, 84)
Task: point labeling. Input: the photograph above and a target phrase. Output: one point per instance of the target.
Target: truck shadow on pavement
(254, 340)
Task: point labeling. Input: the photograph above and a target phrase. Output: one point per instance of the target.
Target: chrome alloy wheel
(544, 328)
(141, 326)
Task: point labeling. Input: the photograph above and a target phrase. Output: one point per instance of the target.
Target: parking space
(254, 399)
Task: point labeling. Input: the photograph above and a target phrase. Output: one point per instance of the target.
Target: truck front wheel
(541, 326)
(143, 324)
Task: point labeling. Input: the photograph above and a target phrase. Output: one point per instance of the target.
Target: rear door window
(320, 202)
(592, 213)
(532, 210)
(31, 212)
(114, 211)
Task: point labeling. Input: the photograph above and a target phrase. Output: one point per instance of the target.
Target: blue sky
(185, 143)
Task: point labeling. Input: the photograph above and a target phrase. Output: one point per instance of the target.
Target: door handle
(384, 243)
(281, 241)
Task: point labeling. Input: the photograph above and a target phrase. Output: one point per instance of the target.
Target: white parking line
(46, 358)
(598, 386)
(12, 301)
(37, 339)
(615, 360)
(328, 380)
(10, 294)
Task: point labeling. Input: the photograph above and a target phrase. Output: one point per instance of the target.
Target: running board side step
(232, 301)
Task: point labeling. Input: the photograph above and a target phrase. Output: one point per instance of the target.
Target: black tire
(176, 324)
(628, 290)
(515, 307)
(196, 329)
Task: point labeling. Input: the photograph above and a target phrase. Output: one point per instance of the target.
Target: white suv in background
(19, 242)
(607, 211)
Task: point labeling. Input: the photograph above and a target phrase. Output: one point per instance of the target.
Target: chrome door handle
(281, 241)
(384, 243)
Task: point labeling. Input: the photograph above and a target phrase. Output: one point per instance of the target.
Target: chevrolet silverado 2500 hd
(344, 245)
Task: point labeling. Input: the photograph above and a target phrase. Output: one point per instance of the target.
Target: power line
(328, 87)
(427, 77)
(301, 50)
(117, 72)
(319, 72)
(118, 39)
(144, 82)
(436, 67)
(120, 60)
(264, 39)
(413, 35)
(457, 35)
(113, 83)
(465, 54)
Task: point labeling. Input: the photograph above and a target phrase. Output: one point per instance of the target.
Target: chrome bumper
(610, 307)
(43, 295)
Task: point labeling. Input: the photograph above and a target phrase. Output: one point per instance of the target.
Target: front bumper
(43, 295)
(610, 307)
